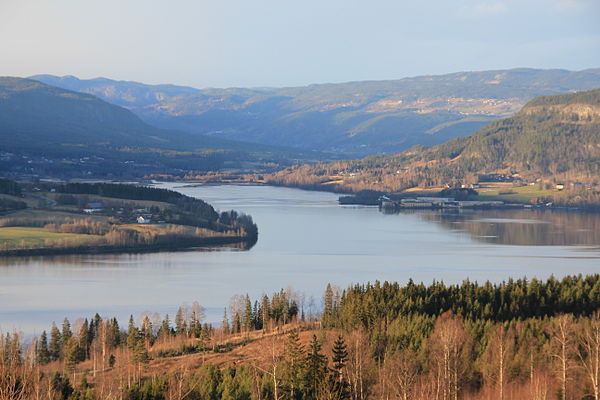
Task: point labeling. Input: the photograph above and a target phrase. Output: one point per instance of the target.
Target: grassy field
(521, 194)
(27, 200)
(27, 237)
(44, 214)
(113, 200)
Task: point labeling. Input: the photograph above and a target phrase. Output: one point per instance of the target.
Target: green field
(27, 237)
(521, 194)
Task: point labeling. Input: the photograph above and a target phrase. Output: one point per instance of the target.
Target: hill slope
(42, 124)
(555, 137)
(357, 118)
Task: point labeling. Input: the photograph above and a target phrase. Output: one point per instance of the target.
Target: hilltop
(354, 118)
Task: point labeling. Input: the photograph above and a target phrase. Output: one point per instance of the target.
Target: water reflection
(521, 227)
(110, 259)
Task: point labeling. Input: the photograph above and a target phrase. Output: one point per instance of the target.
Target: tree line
(519, 339)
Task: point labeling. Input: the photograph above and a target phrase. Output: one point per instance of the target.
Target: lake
(305, 241)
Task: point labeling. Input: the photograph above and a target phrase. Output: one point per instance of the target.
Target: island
(55, 218)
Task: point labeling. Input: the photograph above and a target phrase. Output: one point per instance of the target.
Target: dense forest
(520, 339)
(552, 138)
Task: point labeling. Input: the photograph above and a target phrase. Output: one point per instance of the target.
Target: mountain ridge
(356, 118)
(49, 130)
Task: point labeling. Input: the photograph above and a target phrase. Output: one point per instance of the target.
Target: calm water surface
(305, 241)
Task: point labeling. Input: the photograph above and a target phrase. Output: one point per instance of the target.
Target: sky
(255, 43)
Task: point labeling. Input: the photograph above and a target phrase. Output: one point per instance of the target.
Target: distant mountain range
(49, 130)
(553, 138)
(355, 118)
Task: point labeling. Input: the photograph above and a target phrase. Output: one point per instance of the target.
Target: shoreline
(349, 193)
(245, 243)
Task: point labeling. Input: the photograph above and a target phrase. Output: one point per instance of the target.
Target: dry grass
(254, 348)
(27, 237)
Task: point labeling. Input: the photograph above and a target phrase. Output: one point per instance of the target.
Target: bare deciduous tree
(450, 350)
(562, 349)
(588, 338)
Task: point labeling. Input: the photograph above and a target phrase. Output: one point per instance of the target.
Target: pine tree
(43, 352)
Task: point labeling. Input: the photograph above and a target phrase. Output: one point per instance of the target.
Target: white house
(143, 220)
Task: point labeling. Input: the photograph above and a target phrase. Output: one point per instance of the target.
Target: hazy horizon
(269, 43)
(308, 84)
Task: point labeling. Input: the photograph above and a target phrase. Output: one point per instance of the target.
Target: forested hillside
(356, 118)
(553, 138)
(46, 130)
(520, 339)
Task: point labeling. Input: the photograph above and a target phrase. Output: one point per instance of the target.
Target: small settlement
(140, 215)
(434, 202)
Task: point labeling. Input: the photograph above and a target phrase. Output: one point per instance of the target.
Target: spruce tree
(225, 323)
(66, 333)
(338, 386)
(55, 346)
(73, 354)
(95, 325)
(147, 332)
(133, 334)
(195, 327)
(165, 328)
(43, 352)
(294, 366)
(247, 320)
(180, 322)
(139, 352)
(328, 307)
(85, 338)
(316, 369)
(237, 324)
(116, 332)
(265, 312)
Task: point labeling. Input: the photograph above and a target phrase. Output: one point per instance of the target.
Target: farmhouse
(90, 208)
(144, 219)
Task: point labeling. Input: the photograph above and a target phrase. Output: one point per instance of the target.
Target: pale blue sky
(224, 43)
